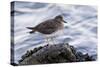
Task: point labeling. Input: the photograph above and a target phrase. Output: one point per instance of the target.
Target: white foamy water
(80, 31)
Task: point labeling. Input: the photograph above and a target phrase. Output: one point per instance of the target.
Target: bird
(49, 27)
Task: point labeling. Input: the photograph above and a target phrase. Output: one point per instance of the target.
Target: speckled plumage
(49, 26)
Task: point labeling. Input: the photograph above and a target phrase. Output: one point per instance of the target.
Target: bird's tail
(32, 29)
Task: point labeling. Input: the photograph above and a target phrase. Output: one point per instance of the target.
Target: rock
(58, 53)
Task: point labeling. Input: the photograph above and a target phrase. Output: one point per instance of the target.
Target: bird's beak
(64, 21)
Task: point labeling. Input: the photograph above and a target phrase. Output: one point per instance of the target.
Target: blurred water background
(80, 31)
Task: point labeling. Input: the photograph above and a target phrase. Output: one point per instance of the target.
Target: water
(80, 31)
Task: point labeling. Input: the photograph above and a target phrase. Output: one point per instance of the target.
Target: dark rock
(58, 53)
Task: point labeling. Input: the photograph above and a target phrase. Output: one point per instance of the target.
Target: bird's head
(60, 18)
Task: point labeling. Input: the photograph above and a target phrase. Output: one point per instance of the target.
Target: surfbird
(49, 27)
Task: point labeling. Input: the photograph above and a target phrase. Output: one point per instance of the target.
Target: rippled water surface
(80, 31)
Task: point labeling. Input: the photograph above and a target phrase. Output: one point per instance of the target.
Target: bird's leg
(48, 40)
(53, 41)
(64, 34)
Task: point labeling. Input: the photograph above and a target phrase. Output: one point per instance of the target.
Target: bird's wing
(46, 25)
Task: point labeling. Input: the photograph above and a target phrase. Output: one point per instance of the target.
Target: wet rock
(58, 53)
